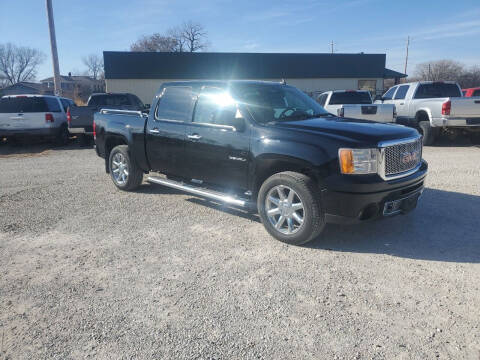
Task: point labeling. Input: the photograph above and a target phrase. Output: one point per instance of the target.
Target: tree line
(447, 70)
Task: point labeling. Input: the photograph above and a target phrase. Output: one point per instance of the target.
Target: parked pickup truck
(471, 92)
(268, 147)
(356, 104)
(80, 118)
(434, 106)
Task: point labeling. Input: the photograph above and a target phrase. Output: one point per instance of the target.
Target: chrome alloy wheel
(119, 169)
(284, 209)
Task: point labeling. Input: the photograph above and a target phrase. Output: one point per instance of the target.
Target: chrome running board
(202, 192)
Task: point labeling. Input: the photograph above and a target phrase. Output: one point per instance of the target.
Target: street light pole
(53, 45)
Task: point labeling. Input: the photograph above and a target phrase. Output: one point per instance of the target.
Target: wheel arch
(110, 142)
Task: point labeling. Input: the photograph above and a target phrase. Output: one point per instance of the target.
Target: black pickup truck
(268, 147)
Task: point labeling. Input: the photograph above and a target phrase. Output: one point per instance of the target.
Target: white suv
(34, 115)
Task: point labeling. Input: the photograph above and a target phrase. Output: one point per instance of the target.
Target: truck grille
(400, 158)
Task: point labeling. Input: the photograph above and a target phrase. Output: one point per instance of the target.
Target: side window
(175, 104)
(65, 104)
(389, 94)
(401, 92)
(212, 109)
(137, 101)
(53, 105)
(322, 99)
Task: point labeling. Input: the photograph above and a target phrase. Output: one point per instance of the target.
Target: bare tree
(94, 64)
(194, 36)
(439, 70)
(188, 37)
(470, 77)
(19, 63)
(155, 43)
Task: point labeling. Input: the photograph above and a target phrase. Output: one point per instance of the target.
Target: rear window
(437, 90)
(109, 100)
(175, 104)
(350, 97)
(23, 105)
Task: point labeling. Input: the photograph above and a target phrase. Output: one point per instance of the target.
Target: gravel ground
(87, 271)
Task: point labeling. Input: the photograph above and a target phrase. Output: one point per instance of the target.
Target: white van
(34, 115)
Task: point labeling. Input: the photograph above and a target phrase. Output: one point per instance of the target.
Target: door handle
(194, 137)
(154, 131)
(402, 103)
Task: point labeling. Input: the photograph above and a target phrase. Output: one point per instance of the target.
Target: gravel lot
(87, 271)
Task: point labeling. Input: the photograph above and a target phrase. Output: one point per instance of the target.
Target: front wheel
(290, 208)
(125, 173)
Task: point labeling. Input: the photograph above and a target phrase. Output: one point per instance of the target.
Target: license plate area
(402, 205)
(369, 110)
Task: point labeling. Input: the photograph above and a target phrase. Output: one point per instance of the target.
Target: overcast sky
(439, 29)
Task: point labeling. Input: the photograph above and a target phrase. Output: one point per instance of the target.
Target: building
(76, 87)
(23, 87)
(142, 73)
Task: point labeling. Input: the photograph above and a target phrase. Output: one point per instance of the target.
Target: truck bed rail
(122, 112)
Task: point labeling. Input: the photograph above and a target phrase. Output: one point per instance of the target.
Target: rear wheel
(290, 208)
(63, 136)
(429, 133)
(125, 173)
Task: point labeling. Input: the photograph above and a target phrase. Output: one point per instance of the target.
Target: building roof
(185, 65)
(24, 84)
(392, 74)
(72, 78)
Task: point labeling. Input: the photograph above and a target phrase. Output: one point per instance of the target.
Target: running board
(225, 198)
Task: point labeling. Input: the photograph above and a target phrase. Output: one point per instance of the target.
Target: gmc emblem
(409, 157)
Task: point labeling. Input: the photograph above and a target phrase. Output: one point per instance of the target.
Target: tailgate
(23, 112)
(20, 121)
(377, 113)
(465, 107)
(82, 116)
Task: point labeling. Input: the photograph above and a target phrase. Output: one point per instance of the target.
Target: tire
(291, 231)
(125, 173)
(429, 133)
(63, 136)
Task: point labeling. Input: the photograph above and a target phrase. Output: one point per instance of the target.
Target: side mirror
(239, 124)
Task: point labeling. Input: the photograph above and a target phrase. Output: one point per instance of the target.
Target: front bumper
(351, 205)
(46, 132)
(456, 122)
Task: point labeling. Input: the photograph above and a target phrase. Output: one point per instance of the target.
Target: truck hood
(360, 130)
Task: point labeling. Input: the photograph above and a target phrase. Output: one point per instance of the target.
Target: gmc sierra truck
(356, 104)
(432, 107)
(80, 118)
(267, 147)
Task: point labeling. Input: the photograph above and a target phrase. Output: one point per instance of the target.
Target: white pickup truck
(435, 106)
(356, 104)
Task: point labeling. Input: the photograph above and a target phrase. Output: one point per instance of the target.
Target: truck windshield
(269, 103)
(109, 99)
(437, 90)
(350, 97)
(23, 104)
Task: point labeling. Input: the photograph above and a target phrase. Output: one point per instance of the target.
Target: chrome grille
(400, 158)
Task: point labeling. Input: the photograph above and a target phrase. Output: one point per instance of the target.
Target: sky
(438, 29)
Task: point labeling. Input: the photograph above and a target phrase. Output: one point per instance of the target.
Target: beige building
(143, 73)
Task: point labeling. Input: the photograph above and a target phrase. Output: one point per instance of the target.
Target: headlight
(358, 161)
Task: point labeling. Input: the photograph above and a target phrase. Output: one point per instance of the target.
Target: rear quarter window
(23, 105)
(109, 100)
(176, 103)
(437, 90)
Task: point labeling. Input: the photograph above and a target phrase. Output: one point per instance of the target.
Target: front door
(165, 132)
(218, 152)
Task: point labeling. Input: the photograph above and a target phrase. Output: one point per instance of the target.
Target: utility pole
(406, 56)
(331, 44)
(53, 45)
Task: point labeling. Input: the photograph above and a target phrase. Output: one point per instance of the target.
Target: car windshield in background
(269, 103)
(437, 90)
(23, 105)
(107, 99)
(350, 97)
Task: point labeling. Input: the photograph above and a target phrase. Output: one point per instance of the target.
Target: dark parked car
(80, 118)
(266, 146)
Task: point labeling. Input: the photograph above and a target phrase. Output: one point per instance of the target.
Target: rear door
(217, 152)
(165, 130)
(23, 112)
